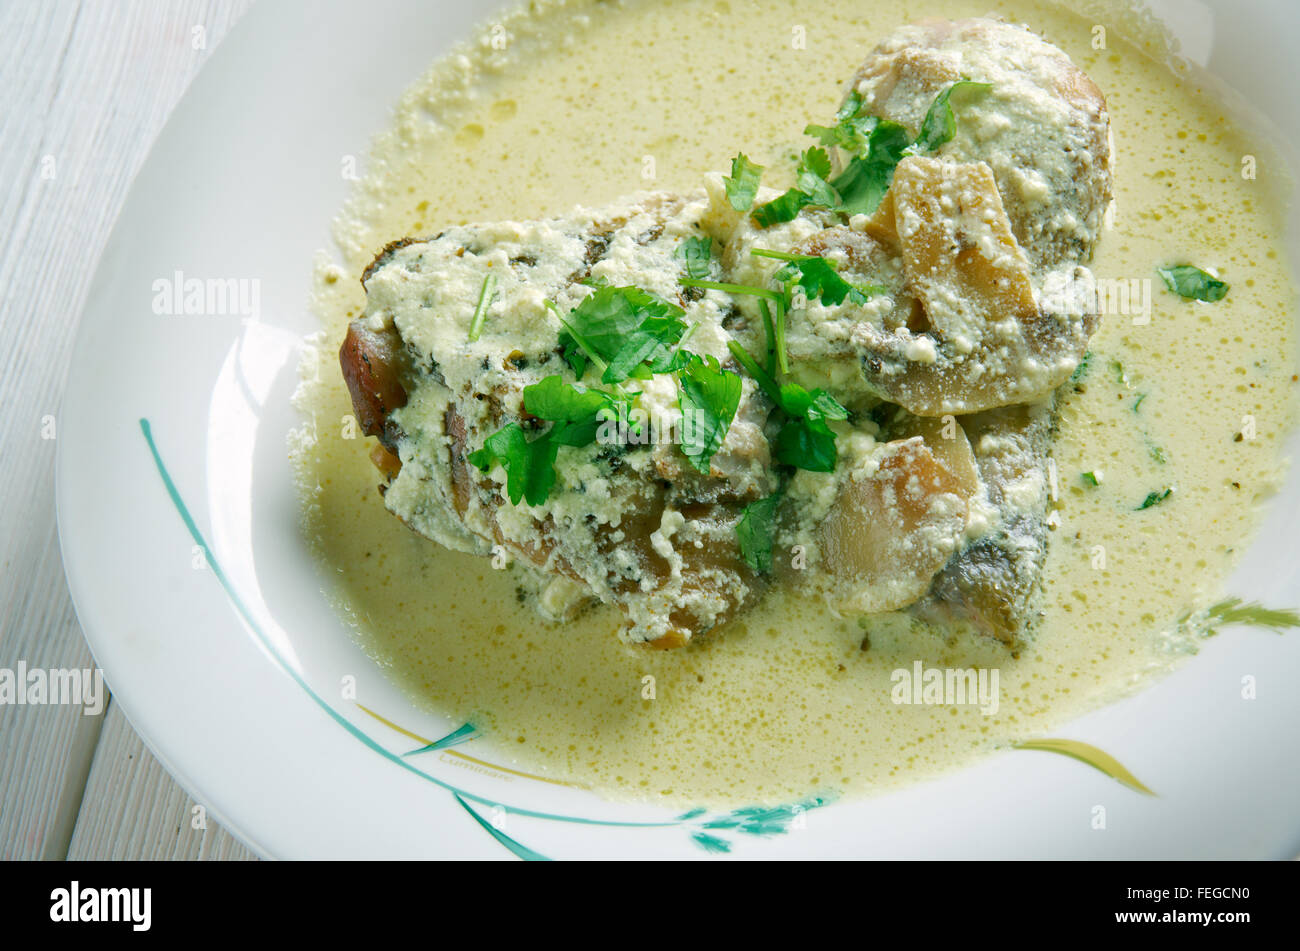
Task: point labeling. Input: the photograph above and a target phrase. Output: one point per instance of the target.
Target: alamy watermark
(953, 686)
(181, 296)
(1081, 292)
(21, 686)
(78, 903)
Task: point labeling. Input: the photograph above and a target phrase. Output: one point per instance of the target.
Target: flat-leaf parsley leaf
(1191, 283)
(709, 397)
(754, 533)
(742, 185)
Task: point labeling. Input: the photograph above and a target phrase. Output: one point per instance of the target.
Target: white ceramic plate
(172, 455)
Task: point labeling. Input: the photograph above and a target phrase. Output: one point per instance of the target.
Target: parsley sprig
(852, 129)
(742, 185)
(811, 188)
(529, 465)
(875, 147)
(940, 124)
(804, 440)
(626, 332)
(575, 415)
(708, 398)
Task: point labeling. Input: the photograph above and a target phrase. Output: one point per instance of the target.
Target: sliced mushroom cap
(947, 440)
(890, 532)
(1043, 126)
(983, 342)
(991, 585)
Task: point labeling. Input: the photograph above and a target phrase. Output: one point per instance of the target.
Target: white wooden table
(86, 88)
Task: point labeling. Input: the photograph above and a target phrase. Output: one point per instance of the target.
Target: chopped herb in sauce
(785, 208)
(815, 275)
(1081, 370)
(865, 180)
(1234, 611)
(575, 412)
(627, 332)
(811, 188)
(851, 130)
(820, 281)
(940, 125)
(575, 415)
(1155, 498)
(573, 354)
(805, 440)
(529, 465)
(1191, 283)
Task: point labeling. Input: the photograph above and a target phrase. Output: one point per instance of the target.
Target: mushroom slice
(891, 530)
(947, 440)
(985, 342)
(991, 585)
(1042, 124)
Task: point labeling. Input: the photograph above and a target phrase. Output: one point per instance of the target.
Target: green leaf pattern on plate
(705, 829)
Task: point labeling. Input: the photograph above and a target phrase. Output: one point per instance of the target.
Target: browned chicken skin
(371, 369)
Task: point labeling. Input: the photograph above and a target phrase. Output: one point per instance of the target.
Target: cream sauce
(592, 101)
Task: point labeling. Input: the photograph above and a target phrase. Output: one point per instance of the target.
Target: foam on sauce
(586, 101)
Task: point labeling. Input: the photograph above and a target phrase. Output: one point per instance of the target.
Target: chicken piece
(993, 229)
(957, 312)
(980, 339)
(1042, 127)
(669, 563)
(663, 551)
(991, 585)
